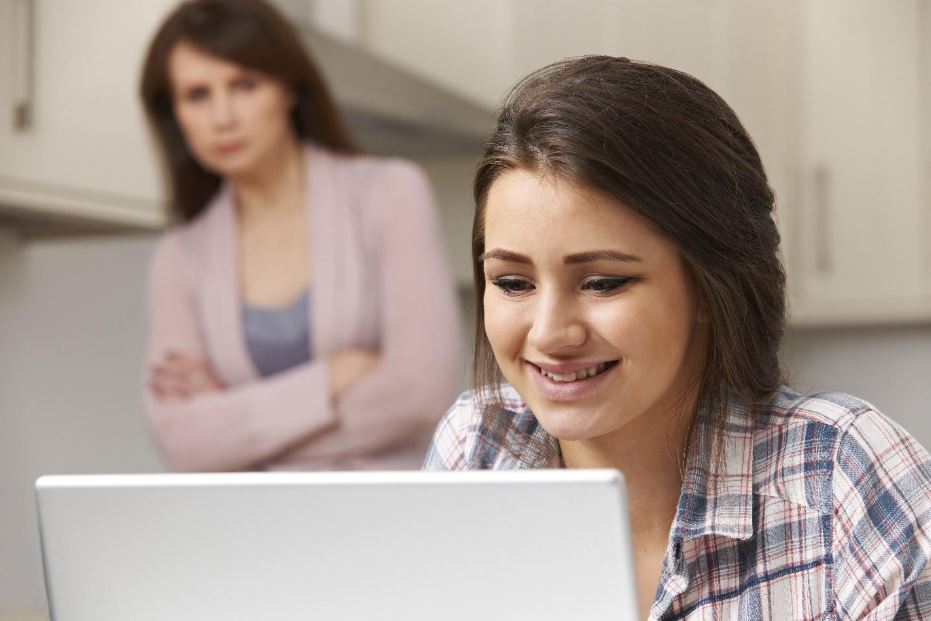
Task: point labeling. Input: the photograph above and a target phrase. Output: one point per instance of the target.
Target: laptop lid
(546, 544)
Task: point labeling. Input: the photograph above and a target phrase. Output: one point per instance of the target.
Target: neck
(275, 184)
(649, 452)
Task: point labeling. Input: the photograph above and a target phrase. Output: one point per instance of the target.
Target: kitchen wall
(887, 366)
(71, 334)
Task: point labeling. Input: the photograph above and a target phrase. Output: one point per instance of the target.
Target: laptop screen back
(343, 546)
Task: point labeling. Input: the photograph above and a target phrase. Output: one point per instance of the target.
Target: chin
(229, 165)
(234, 167)
(572, 424)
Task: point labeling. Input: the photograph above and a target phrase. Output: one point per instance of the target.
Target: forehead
(540, 214)
(188, 63)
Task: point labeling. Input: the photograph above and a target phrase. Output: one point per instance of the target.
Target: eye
(244, 84)
(511, 285)
(606, 286)
(197, 93)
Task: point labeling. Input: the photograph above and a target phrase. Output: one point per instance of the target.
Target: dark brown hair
(664, 144)
(249, 33)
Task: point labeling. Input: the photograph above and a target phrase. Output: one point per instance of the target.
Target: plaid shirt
(821, 510)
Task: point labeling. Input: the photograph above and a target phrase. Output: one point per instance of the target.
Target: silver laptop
(547, 544)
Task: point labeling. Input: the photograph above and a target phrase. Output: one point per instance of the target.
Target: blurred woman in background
(302, 314)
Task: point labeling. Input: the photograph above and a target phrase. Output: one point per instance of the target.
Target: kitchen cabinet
(84, 155)
(861, 216)
(836, 95)
(462, 46)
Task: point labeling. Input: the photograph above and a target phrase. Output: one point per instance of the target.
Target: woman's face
(589, 311)
(233, 119)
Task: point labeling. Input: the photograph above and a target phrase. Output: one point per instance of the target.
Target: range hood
(390, 110)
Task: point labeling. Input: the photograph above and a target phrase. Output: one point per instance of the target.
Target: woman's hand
(347, 367)
(182, 376)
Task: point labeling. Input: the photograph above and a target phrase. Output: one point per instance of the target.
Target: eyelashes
(196, 94)
(600, 286)
(244, 84)
(510, 285)
(607, 286)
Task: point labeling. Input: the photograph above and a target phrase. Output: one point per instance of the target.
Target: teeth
(580, 374)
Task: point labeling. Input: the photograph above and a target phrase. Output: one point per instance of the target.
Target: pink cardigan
(380, 281)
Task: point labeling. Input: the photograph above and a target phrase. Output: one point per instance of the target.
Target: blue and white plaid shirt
(821, 510)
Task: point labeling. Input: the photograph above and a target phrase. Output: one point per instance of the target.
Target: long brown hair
(664, 144)
(249, 33)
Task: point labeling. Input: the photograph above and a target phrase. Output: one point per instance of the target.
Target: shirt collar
(538, 448)
(510, 437)
(717, 499)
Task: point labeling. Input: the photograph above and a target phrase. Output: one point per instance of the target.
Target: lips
(230, 147)
(570, 382)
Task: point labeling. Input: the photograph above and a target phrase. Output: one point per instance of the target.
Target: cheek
(659, 335)
(269, 112)
(642, 328)
(193, 126)
(504, 325)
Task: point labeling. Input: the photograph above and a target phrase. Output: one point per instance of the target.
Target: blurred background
(836, 93)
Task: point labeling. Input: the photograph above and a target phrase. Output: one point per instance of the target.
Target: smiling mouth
(579, 375)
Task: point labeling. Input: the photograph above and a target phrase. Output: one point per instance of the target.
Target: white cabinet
(837, 97)
(861, 220)
(545, 32)
(463, 46)
(86, 155)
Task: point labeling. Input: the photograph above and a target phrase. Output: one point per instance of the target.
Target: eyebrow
(571, 259)
(601, 255)
(504, 255)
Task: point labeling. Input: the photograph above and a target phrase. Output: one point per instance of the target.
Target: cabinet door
(463, 46)
(87, 150)
(861, 225)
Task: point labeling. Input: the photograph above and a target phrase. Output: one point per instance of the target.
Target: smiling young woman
(630, 306)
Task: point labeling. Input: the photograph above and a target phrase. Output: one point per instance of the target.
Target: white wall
(452, 184)
(71, 339)
(888, 366)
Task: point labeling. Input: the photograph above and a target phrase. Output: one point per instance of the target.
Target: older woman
(302, 314)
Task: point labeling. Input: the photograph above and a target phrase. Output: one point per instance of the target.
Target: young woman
(630, 292)
(301, 313)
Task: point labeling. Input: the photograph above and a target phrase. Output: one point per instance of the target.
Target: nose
(222, 110)
(558, 325)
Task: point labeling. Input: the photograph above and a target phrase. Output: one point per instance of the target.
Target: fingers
(167, 386)
(180, 376)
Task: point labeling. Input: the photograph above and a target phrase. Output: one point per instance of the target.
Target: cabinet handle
(824, 256)
(23, 36)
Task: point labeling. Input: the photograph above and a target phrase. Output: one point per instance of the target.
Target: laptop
(542, 545)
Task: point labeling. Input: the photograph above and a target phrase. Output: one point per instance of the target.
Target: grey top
(278, 337)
